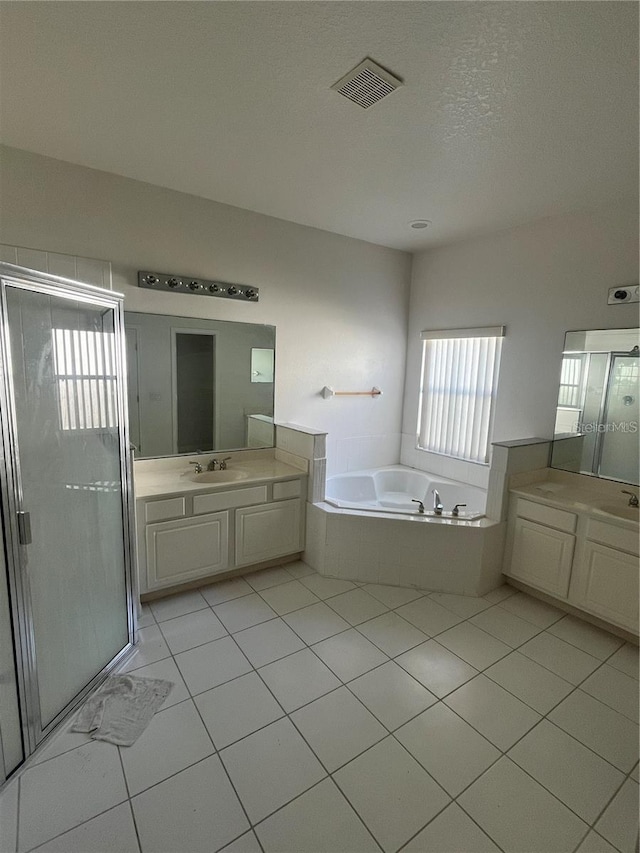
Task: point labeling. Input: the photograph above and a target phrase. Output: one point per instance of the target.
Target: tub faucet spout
(437, 503)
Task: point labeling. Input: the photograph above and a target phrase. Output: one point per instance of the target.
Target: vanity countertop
(178, 481)
(573, 498)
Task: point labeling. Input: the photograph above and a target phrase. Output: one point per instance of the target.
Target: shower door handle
(24, 528)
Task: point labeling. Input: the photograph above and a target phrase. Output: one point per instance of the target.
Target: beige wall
(539, 280)
(339, 305)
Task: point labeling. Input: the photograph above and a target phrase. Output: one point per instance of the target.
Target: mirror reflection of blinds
(459, 380)
(85, 368)
(571, 381)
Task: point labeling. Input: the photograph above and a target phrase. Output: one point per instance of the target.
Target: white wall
(339, 305)
(539, 280)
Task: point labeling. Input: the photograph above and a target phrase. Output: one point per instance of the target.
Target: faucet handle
(633, 500)
(456, 509)
(198, 468)
(420, 505)
(223, 463)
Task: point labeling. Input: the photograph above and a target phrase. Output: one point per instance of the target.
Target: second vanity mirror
(598, 414)
(192, 384)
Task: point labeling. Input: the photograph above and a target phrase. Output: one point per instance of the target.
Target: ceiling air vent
(367, 84)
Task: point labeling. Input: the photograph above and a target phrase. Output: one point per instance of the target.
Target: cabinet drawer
(289, 489)
(161, 510)
(616, 537)
(229, 500)
(557, 518)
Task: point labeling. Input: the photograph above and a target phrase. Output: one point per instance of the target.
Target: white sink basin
(621, 511)
(228, 476)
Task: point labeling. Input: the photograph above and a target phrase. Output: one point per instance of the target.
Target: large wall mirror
(598, 410)
(192, 384)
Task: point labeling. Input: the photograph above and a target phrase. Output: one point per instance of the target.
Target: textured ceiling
(510, 110)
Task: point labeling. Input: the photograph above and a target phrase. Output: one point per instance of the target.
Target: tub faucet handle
(420, 505)
(633, 500)
(456, 510)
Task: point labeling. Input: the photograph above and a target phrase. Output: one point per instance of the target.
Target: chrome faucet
(218, 464)
(456, 510)
(198, 467)
(420, 505)
(633, 500)
(437, 503)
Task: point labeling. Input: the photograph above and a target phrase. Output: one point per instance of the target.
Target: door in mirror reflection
(201, 384)
(194, 391)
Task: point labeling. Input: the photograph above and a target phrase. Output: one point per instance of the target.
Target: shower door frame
(11, 496)
(604, 412)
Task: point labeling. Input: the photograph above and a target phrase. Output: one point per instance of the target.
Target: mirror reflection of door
(133, 387)
(619, 449)
(194, 364)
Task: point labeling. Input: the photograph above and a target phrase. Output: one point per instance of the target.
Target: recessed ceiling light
(420, 223)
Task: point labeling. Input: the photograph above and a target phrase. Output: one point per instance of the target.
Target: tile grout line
(128, 790)
(329, 775)
(217, 753)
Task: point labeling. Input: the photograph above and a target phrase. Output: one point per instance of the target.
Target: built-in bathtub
(398, 489)
(369, 530)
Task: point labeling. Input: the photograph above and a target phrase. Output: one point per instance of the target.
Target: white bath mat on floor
(122, 708)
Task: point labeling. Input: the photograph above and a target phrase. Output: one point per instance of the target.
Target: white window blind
(85, 367)
(571, 380)
(459, 380)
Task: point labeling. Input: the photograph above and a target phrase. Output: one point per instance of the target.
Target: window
(85, 367)
(458, 384)
(571, 375)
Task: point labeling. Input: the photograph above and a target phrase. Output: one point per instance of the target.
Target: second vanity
(577, 543)
(192, 526)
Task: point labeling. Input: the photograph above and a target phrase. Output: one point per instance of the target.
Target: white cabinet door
(185, 549)
(605, 582)
(266, 531)
(542, 556)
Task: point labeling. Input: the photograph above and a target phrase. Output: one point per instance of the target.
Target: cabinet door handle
(24, 528)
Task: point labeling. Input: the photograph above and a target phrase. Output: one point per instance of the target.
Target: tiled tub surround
(415, 551)
(455, 556)
(312, 714)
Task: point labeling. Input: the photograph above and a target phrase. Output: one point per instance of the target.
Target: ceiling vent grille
(367, 84)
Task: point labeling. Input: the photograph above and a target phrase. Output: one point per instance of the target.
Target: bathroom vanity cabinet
(584, 557)
(198, 534)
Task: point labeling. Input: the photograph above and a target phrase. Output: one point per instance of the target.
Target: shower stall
(67, 613)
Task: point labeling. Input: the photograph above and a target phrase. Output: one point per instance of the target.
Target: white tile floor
(312, 714)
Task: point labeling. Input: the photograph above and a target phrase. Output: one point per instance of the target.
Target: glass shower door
(63, 372)
(619, 448)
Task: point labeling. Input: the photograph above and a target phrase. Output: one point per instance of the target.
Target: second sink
(630, 512)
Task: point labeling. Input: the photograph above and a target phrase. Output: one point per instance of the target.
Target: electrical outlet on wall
(623, 294)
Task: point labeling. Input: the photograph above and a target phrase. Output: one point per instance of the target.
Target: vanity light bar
(198, 286)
